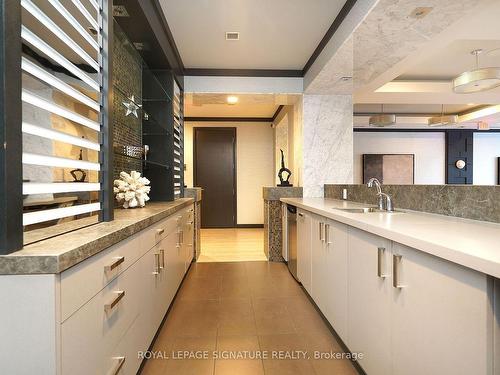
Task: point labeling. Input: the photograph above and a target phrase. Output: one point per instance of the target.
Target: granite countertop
(275, 193)
(470, 243)
(54, 255)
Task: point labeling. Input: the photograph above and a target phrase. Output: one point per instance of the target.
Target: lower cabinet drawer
(89, 337)
(83, 281)
(151, 236)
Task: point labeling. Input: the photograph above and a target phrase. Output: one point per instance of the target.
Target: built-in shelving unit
(162, 130)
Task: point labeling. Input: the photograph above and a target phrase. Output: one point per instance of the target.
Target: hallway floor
(232, 245)
(244, 308)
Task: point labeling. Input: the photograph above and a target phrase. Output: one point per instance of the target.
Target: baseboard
(250, 226)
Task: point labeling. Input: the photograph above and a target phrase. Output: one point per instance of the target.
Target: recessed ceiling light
(420, 12)
(232, 35)
(232, 99)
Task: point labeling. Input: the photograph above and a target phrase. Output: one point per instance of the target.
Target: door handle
(118, 366)
(116, 263)
(380, 262)
(110, 306)
(157, 264)
(321, 226)
(327, 234)
(396, 262)
(162, 259)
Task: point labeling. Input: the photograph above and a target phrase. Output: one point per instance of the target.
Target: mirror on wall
(60, 117)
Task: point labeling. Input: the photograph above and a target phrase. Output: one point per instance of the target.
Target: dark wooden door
(214, 171)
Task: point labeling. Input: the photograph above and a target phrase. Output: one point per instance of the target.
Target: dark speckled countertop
(57, 254)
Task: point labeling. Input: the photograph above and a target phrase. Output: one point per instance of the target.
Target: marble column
(327, 151)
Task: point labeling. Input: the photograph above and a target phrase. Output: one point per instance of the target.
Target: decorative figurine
(77, 171)
(282, 171)
(131, 189)
(132, 107)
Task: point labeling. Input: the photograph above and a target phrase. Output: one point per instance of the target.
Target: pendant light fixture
(442, 120)
(382, 119)
(479, 79)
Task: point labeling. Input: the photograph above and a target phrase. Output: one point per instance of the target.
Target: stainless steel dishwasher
(290, 238)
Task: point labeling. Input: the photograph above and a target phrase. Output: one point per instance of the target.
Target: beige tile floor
(247, 307)
(232, 245)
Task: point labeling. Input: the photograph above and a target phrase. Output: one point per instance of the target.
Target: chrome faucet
(384, 200)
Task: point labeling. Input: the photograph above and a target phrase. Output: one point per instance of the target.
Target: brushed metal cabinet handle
(157, 264)
(321, 227)
(380, 262)
(116, 263)
(301, 214)
(327, 234)
(396, 261)
(118, 366)
(110, 306)
(159, 232)
(162, 259)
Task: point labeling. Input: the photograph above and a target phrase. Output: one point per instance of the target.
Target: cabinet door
(336, 242)
(369, 296)
(304, 249)
(319, 269)
(441, 315)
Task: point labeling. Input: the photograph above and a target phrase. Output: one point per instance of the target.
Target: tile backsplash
(465, 201)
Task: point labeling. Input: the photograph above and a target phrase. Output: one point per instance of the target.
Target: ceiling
(408, 64)
(249, 105)
(454, 59)
(274, 34)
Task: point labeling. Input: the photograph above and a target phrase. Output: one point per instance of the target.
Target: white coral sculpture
(131, 189)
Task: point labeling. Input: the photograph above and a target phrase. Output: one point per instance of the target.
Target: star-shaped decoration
(132, 107)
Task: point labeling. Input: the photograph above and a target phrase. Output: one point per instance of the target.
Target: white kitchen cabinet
(304, 249)
(319, 271)
(369, 301)
(441, 317)
(336, 243)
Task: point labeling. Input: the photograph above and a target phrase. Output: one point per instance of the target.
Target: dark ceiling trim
(228, 119)
(277, 112)
(168, 32)
(242, 72)
(329, 34)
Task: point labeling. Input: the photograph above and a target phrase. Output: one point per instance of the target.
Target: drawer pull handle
(162, 259)
(119, 364)
(301, 214)
(159, 232)
(116, 263)
(380, 262)
(191, 210)
(110, 306)
(396, 262)
(157, 268)
(190, 222)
